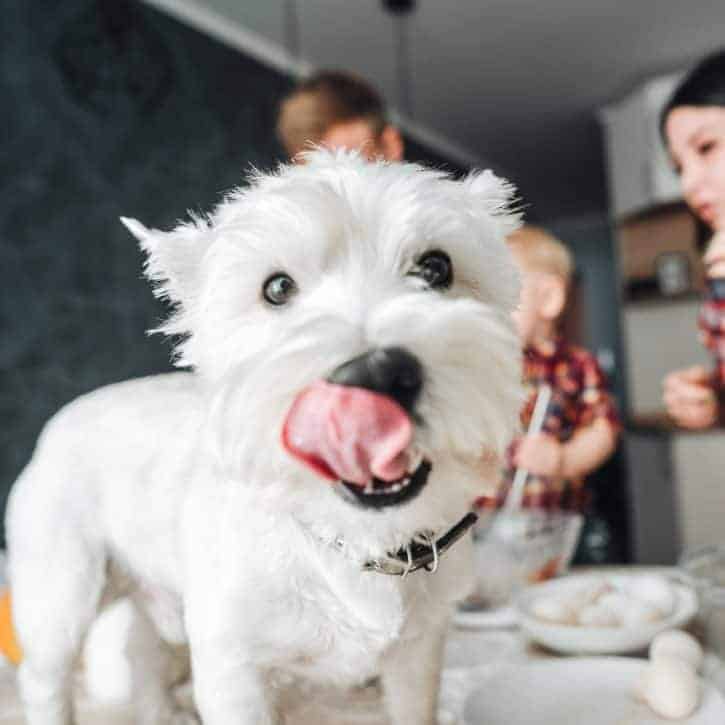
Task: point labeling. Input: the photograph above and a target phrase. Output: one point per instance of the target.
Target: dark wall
(606, 536)
(108, 108)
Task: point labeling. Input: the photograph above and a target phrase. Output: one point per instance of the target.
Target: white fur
(178, 485)
(108, 675)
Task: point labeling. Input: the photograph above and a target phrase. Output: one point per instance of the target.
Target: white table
(470, 656)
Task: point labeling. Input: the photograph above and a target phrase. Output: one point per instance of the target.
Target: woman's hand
(714, 258)
(690, 399)
(540, 454)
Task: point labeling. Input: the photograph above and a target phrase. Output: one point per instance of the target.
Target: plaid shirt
(579, 396)
(712, 327)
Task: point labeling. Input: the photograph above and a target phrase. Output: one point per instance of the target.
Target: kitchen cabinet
(638, 170)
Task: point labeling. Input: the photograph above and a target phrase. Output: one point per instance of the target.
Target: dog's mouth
(378, 494)
(359, 440)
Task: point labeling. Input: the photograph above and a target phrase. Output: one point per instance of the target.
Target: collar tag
(421, 556)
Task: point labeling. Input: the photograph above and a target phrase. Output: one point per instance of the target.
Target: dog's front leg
(411, 678)
(227, 689)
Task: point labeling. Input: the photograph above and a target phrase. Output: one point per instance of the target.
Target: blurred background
(147, 109)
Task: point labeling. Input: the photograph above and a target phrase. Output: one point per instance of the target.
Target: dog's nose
(392, 371)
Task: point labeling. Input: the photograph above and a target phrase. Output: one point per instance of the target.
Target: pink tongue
(346, 433)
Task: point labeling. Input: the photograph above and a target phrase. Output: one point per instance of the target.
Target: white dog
(355, 365)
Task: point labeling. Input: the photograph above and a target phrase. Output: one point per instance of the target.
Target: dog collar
(417, 555)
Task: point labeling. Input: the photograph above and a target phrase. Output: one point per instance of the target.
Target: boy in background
(581, 425)
(338, 110)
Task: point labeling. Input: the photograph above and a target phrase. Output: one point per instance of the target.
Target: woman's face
(696, 140)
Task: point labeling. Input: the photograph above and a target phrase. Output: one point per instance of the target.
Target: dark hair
(704, 85)
(326, 98)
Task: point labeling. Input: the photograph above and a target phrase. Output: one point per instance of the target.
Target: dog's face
(386, 279)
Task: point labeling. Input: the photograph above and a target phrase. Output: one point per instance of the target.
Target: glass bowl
(513, 550)
(704, 569)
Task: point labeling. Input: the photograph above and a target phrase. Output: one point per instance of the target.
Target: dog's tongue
(347, 433)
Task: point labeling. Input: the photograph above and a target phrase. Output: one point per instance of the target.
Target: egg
(679, 644)
(655, 591)
(588, 593)
(671, 688)
(615, 602)
(556, 610)
(637, 613)
(596, 615)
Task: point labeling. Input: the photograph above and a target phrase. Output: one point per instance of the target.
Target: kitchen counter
(471, 656)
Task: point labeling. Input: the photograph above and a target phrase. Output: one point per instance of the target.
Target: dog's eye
(279, 289)
(435, 269)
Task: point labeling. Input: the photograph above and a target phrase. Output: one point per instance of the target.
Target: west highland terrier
(296, 505)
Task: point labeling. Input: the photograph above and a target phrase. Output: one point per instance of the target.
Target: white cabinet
(639, 174)
(659, 337)
(698, 461)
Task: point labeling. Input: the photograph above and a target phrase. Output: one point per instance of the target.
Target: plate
(575, 639)
(576, 691)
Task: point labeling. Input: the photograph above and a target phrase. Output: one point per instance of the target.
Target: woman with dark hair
(693, 126)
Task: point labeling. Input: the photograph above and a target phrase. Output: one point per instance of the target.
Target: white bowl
(576, 639)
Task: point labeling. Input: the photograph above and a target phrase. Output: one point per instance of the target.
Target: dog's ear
(173, 259)
(496, 196)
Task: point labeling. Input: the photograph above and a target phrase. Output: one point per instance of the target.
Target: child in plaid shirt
(581, 425)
